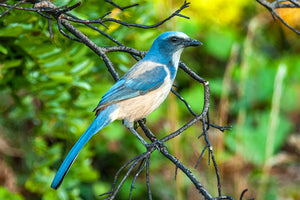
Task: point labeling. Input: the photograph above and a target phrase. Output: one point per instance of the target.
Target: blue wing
(133, 84)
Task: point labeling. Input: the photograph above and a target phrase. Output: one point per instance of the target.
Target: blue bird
(137, 94)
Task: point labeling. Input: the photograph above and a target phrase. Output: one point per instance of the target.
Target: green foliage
(5, 194)
(214, 40)
(254, 136)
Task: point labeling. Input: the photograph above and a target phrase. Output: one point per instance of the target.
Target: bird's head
(174, 40)
(171, 44)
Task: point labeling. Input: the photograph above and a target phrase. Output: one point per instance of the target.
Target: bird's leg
(155, 142)
(158, 144)
(135, 124)
(130, 127)
(144, 120)
(138, 136)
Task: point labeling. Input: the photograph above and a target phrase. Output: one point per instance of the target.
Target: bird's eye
(174, 39)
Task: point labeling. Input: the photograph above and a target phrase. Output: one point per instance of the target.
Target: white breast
(176, 57)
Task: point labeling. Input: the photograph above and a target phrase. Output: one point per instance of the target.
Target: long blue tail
(99, 122)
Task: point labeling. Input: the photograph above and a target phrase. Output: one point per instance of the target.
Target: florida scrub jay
(137, 94)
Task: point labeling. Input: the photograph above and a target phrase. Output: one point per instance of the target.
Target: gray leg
(130, 127)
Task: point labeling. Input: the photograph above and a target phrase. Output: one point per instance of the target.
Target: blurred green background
(48, 88)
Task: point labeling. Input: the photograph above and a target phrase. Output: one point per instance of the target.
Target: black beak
(192, 42)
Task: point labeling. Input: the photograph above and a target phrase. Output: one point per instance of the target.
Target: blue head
(168, 47)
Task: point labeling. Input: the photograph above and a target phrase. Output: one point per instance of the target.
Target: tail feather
(99, 122)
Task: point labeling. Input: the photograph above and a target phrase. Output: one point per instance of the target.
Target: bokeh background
(48, 88)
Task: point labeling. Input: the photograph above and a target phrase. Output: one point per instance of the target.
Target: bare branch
(286, 24)
(279, 4)
(17, 7)
(60, 28)
(188, 173)
(120, 7)
(176, 13)
(147, 176)
(296, 3)
(12, 7)
(101, 20)
(201, 155)
(184, 101)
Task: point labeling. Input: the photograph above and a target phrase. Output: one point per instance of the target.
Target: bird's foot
(136, 125)
(159, 145)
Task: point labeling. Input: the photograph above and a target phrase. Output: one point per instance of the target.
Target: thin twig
(184, 101)
(285, 23)
(17, 7)
(118, 172)
(199, 117)
(276, 4)
(210, 155)
(188, 173)
(50, 28)
(101, 20)
(296, 3)
(92, 46)
(221, 128)
(201, 155)
(243, 193)
(60, 28)
(120, 7)
(12, 7)
(141, 167)
(115, 188)
(147, 176)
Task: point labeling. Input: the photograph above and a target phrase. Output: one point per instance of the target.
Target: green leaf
(12, 63)
(82, 67)
(17, 29)
(61, 78)
(83, 85)
(3, 49)
(5, 194)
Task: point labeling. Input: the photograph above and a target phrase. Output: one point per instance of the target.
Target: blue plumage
(99, 122)
(129, 87)
(138, 93)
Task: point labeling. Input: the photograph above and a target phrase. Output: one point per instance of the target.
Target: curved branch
(12, 7)
(278, 4)
(101, 20)
(120, 7)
